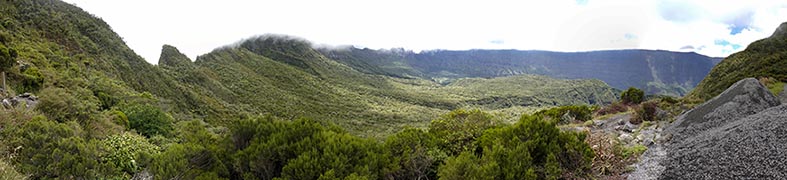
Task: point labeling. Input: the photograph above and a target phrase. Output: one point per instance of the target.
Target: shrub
(120, 118)
(66, 105)
(56, 150)
(632, 96)
(304, 149)
(645, 112)
(148, 120)
(185, 161)
(125, 150)
(7, 57)
(468, 166)
(416, 153)
(536, 145)
(635, 150)
(613, 108)
(575, 113)
(32, 80)
(458, 130)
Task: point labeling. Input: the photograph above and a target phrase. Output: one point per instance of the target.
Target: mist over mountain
(78, 103)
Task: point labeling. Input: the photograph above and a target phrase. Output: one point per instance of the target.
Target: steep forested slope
(659, 72)
(765, 58)
(63, 46)
(285, 77)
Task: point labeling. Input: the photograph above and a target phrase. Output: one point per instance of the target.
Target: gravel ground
(740, 134)
(744, 98)
(783, 95)
(754, 147)
(649, 166)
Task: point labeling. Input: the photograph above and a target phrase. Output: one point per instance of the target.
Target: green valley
(79, 103)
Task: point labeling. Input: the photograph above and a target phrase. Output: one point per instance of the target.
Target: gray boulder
(27, 100)
(739, 134)
(744, 98)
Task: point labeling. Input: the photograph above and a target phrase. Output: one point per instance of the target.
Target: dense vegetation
(474, 143)
(632, 96)
(761, 59)
(269, 106)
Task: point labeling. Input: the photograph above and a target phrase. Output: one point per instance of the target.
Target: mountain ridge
(763, 58)
(667, 72)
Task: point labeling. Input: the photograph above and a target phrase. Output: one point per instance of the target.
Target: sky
(714, 28)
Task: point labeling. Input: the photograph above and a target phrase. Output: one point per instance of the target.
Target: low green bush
(574, 112)
(632, 96)
(148, 120)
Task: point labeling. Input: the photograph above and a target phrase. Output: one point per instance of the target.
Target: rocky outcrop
(744, 98)
(172, 58)
(740, 134)
(27, 100)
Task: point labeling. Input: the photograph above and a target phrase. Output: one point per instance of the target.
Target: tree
(632, 96)
(534, 146)
(458, 130)
(148, 120)
(7, 57)
(468, 166)
(416, 153)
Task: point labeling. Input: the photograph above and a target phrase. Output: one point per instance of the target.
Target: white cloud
(196, 27)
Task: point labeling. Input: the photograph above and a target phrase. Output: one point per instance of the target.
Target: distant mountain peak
(171, 56)
(781, 31)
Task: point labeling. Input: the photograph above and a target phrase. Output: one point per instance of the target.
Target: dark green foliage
(468, 166)
(632, 96)
(7, 54)
(416, 152)
(304, 149)
(7, 57)
(573, 112)
(186, 161)
(148, 120)
(198, 155)
(530, 145)
(47, 149)
(459, 129)
(32, 80)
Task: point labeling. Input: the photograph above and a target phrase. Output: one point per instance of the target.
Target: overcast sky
(714, 28)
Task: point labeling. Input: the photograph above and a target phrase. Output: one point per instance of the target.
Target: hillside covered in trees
(763, 59)
(79, 104)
